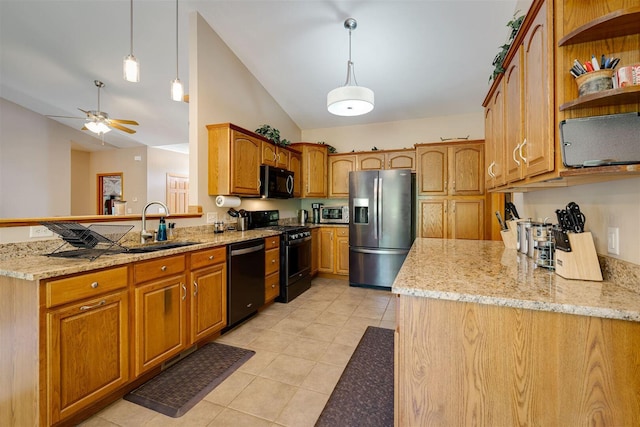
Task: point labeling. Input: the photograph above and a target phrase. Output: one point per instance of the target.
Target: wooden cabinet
(274, 155)
(315, 250)
(314, 169)
(208, 290)
(295, 166)
(339, 167)
(387, 159)
(271, 268)
(495, 142)
(334, 250)
(234, 160)
(87, 340)
(160, 318)
(451, 193)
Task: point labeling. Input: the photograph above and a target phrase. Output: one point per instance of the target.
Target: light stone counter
(485, 272)
(36, 267)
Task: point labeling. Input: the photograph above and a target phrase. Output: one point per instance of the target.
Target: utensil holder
(510, 236)
(243, 223)
(582, 262)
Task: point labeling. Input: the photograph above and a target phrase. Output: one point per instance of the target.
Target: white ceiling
(422, 58)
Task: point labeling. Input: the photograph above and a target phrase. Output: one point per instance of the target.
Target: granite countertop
(485, 272)
(37, 267)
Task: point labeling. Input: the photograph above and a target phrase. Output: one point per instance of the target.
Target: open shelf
(621, 95)
(622, 22)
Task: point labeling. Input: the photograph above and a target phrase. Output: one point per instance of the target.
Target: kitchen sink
(160, 246)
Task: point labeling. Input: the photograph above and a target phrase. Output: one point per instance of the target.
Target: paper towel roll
(227, 201)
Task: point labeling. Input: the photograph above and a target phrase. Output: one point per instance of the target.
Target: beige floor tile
(349, 337)
(306, 348)
(97, 421)
(201, 415)
(264, 398)
(231, 418)
(337, 354)
(334, 319)
(370, 312)
(230, 388)
(389, 314)
(125, 414)
(291, 326)
(272, 341)
(318, 331)
(258, 362)
(323, 378)
(264, 321)
(306, 314)
(317, 305)
(388, 324)
(288, 369)
(241, 336)
(303, 409)
(342, 307)
(279, 309)
(359, 324)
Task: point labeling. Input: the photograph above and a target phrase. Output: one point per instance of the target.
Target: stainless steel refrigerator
(382, 226)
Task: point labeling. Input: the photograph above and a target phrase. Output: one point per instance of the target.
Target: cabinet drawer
(271, 261)
(342, 231)
(208, 257)
(88, 285)
(157, 268)
(271, 242)
(271, 287)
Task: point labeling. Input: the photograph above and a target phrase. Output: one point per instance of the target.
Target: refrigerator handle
(375, 208)
(380, 205)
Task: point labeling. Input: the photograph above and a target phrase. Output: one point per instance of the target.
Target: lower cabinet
(315, 250)
(452, 219)
(334, 250)
(208, 291)
(271, 268)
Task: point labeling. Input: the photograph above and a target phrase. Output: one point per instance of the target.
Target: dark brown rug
(178, 388)
(364, 393)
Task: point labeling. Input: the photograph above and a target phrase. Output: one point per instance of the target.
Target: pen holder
(582, 262)
(510, 236)
(595, 81)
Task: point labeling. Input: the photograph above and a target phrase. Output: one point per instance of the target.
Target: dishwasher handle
(236, 252)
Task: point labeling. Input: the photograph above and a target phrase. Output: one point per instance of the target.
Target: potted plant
(272, 134)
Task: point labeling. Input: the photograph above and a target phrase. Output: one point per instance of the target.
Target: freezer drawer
(374, 267)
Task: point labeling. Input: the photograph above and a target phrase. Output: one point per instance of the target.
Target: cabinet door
(433, 218)
(315, 173)
(493, 175)
(432, 171)
(513, 118)
(208, 301)
(339, 168)
(466, 171)
(282, 158)
(315, 250)
(466, 219)
(245, 165)
(370, 161)
(538, 150)
(87, 353)
(268, 154)
(160, 321)
(342, 251)
(401, 160)
(326, 260)
(295, 166)
(271, 287)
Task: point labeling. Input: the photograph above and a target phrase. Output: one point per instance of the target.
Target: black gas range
(295, 253)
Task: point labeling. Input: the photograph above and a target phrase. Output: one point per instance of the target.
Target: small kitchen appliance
(303, 216)
(334, 215)
(316, 212)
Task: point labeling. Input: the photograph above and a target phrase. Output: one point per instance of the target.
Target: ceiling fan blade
(122, 128)
(124, 122)
(86, 112)
(84, 128)
(64, 117)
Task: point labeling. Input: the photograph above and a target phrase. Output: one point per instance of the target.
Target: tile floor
(301, 350)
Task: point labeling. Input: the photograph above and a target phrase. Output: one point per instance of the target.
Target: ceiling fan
(99, 121)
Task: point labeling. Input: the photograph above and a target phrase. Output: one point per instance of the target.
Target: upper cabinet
(295, 166)
(274, 155)
(526, 104)
(339, 167)
(451, 169)
(388, 159)
(314, 169)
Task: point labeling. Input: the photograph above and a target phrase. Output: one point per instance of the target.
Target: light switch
(613, 240)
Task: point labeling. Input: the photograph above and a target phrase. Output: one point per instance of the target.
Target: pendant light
(177, 90)
(350, 99)
(131, 66)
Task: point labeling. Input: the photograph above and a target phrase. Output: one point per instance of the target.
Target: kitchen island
(484, 337)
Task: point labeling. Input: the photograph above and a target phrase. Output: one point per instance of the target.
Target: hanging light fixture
(131, 66)
(177, 91)
(350, 99)
(98, 127)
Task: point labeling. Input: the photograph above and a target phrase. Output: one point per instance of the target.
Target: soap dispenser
(162, 230)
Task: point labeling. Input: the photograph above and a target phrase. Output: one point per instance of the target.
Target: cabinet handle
(195, 286)
(524, 159)
(273, 286)
(89, 307)
(249, 305)
(454, 185)
(163, 268)
(259, 184)
(274, 157)
(514, 154)
(94, 285)
(184, 290)
(211, 257)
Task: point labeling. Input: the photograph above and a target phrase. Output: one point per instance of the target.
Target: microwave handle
(290, 184)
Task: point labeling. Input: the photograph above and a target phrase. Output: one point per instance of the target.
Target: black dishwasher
(245, 280)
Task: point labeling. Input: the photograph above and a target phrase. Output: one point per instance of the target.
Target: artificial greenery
(272, 134)
(514, 24)
(330, 148)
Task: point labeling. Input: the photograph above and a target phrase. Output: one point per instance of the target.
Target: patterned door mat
(364, 393)
(177, 389)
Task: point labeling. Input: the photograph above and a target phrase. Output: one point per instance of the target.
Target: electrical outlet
(613, 240)
(39, 231)
(212, 217)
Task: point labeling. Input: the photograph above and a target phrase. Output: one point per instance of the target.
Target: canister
(522, 241)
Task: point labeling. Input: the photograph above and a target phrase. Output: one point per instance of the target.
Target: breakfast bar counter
(484, 337)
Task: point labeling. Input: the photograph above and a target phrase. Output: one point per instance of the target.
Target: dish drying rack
(89, 242)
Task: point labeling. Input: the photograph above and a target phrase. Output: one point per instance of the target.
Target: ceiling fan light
(177, 91)
(350, 101)
(97, 127)
(131, 69)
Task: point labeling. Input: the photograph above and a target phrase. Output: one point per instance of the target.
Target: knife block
(510, 236)
(582, 262)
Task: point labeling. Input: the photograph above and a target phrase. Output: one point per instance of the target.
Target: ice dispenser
(360, 211)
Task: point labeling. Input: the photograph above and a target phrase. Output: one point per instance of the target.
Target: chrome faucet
(145, 236)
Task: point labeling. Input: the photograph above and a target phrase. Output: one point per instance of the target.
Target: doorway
(177, 193)
(110, 189)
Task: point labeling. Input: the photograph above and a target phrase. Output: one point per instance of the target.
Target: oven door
(297, 260)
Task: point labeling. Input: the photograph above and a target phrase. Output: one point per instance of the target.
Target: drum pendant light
(350, 99)
(177, 90)
(130, 65)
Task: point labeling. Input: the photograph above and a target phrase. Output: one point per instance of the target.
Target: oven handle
(298, 242)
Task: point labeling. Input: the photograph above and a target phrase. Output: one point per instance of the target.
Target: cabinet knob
(211, 257)
(273, 286)
(94, 285)
(163, 268)
(273, 261)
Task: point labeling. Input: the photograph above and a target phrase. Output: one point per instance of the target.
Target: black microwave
(275, 183)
